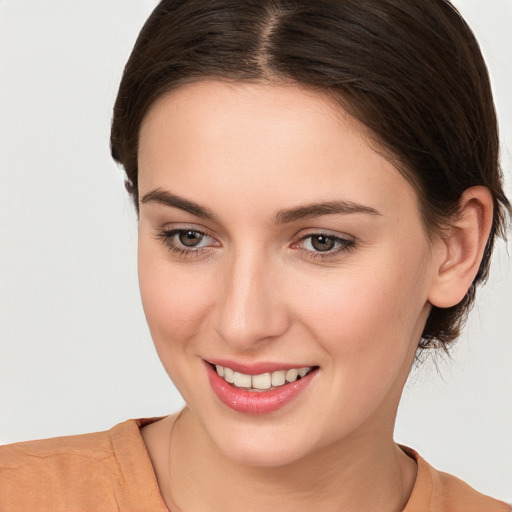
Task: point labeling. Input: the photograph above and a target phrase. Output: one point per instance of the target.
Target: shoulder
(82, 472)
(95, 445)
(440, 492)
(453, 492)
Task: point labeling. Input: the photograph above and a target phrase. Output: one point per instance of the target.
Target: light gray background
(76, 355)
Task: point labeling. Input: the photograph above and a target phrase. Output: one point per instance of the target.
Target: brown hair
(410, 70)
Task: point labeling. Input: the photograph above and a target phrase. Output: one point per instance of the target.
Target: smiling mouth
(263, 381)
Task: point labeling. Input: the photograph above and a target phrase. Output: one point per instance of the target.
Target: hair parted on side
(410, 70)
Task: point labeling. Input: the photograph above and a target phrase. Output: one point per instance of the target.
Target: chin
(264, 455)
(263, 445)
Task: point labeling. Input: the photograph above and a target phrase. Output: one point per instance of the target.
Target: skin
(259, 291)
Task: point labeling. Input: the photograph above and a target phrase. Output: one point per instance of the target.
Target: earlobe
(461, 248)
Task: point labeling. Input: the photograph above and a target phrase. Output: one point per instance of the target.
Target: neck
(367, 472)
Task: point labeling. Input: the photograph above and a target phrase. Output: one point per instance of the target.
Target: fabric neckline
(422, 483)
(124, 453)
(423, 498)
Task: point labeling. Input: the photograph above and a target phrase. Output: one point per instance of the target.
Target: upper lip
(256, 368)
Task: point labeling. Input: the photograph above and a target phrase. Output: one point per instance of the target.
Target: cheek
(369, 316)
(368, 327)
(175, 299)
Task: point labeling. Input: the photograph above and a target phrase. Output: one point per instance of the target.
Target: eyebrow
(306, 211)
(309, 211)
(165, 198)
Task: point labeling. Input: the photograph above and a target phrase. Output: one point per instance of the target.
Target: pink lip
(255, 368)
(255, 402)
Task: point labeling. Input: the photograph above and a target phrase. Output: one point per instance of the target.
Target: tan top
(111, 471)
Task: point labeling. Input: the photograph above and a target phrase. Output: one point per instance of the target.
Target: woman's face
(272, 238)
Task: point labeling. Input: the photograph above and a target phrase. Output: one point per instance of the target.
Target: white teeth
(291, 375)
(241, 380)
(278, 378)
(262, 381)
(229, 375)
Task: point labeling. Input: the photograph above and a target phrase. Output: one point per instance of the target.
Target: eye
(190, 238)
(186, 242)
(321, 242)
(324, 245)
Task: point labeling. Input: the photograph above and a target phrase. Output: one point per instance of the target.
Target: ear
(461, 248)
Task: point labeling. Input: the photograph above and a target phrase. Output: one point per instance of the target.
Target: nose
(251, 308)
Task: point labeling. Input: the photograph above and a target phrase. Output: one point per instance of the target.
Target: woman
(318, 193)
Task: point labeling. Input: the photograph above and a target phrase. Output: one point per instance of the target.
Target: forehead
(208, 94)
(283, 143)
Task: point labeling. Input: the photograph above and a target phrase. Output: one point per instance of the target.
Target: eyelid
(325, 232)
(180, 227)
(322, 231)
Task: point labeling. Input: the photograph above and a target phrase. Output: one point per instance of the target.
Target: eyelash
(166, 237)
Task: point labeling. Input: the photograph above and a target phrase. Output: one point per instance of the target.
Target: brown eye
(190, 238)
(323, 242)
(187, 243)
(322, 245)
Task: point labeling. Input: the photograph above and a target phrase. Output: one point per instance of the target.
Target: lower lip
(256, 402)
